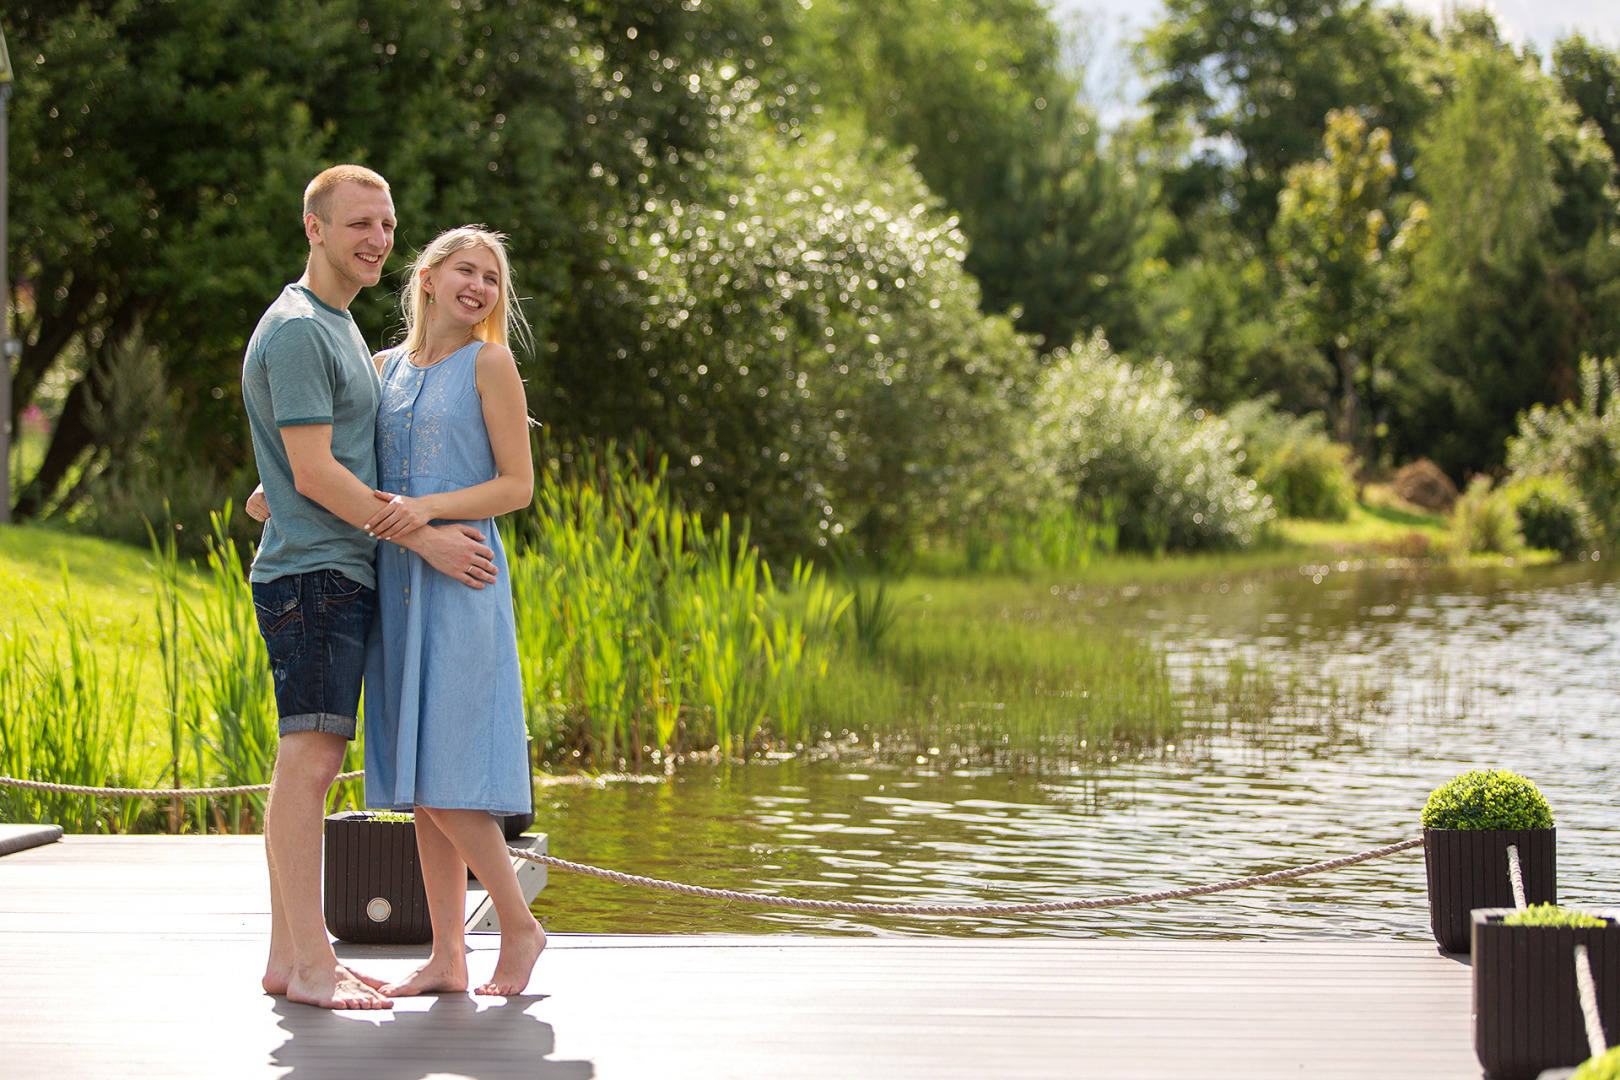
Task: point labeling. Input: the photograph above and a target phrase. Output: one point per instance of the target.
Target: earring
(430, 298)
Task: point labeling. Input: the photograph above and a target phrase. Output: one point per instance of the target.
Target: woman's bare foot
(276, 977)
(334, 988)
(437, 976)
(520, 948)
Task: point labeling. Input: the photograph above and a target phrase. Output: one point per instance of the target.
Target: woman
(445, 732)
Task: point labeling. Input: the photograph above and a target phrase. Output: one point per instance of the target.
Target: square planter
(1527, 1010)
(1468, 869)
(372, 885)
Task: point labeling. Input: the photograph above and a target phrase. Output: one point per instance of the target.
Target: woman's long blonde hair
(505, 322)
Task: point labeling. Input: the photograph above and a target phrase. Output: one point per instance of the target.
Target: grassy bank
(646, 635)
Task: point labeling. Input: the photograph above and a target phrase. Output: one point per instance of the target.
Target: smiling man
(311, 393)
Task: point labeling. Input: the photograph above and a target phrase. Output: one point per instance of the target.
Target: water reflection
(1426, 673)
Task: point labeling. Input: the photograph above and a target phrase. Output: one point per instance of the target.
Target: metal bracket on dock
(531, 878)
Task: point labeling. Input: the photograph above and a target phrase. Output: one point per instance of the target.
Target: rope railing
(793, 902)
(152, 793)
(1036, 907)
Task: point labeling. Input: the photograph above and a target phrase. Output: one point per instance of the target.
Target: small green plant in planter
(1605, 1066)
(1553, 915)
(1468, 824)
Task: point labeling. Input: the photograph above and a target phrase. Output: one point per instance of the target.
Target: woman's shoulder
(493, 358)
(383, 357)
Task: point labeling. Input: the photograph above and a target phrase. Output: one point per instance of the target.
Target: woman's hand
(258, 507)
(401, 517)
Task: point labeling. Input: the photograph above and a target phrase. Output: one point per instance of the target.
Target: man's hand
(400, 516)
(258, 507)
(456, 551)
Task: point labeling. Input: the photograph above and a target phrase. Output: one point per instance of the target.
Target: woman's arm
(506, 416)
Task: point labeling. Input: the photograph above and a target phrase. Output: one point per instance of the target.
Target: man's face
(358, 234)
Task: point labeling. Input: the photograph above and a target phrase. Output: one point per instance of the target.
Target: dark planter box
(1468, 869)
(373, 891)
(1527, 1010)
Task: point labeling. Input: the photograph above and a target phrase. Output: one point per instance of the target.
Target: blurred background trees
(852, 265)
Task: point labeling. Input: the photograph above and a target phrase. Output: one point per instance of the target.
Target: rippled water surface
(1400, 678)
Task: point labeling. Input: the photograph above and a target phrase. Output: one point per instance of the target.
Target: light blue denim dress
(443, 691)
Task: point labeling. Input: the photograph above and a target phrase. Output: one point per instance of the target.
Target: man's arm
(456, 551)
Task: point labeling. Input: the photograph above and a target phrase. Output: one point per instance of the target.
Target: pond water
(1398, 678)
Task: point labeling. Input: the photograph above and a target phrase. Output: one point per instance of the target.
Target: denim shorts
(314, 627)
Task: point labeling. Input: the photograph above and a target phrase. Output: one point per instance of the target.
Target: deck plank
(139, 957)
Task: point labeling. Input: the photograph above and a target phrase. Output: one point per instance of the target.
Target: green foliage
(1551, 514)
(1605, 1066)
(1553, 915)
(1487, 799)
(1305, 473)
(1108, 431)
(1578, 441)
(1058, 537)
(1483, 521)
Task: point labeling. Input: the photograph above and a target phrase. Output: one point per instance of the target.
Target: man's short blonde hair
(318, 195)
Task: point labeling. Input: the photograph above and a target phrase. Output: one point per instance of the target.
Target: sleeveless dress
(443, 692)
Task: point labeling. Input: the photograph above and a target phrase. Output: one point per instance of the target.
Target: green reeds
(220, 697)
(65, 719)
(642, 635)
(998, 687)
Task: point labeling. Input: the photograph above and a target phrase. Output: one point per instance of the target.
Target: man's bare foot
(334, 988)
(437, 976)
(520, 948)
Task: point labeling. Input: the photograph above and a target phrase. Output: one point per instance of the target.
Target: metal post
(5, 292)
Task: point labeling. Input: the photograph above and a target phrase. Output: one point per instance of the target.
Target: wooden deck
(139, 957)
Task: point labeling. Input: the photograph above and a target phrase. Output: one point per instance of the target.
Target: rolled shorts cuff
(330, 723)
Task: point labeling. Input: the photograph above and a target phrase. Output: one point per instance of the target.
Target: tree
(1257, 78)
(528, 117)
(977, 92)
(1502, 298)
(1343, 255)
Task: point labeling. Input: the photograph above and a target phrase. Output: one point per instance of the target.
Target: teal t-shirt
(306, 363)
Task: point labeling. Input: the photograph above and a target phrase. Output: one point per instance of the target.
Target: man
(311, 393)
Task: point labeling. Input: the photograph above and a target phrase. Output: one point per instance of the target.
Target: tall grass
(643, 635)
(65, 719)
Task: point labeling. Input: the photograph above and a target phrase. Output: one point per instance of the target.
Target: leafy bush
(807, 349)
(1108, 432)
(1553, 915)
(1487, 799)
(1578, 441)
(1605, 1066)
(1306, 473)
(1551, 515)
(1483, 522)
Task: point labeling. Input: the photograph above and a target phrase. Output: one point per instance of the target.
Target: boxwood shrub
(1487, 799)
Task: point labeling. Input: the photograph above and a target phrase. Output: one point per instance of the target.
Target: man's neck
(330, 290)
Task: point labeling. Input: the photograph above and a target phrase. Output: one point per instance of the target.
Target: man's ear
(312, 228)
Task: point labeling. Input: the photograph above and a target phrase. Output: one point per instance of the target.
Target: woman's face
(466, 286)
